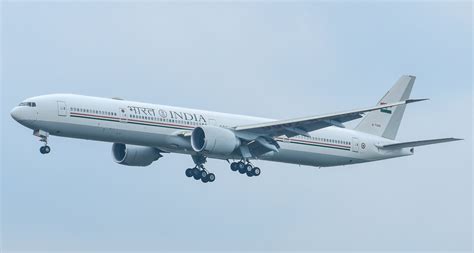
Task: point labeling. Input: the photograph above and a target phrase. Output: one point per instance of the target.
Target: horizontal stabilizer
(412, 144)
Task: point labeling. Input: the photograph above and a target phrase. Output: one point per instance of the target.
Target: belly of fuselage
(165, 140)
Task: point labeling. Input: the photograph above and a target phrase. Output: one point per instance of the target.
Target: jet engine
(214, 140)
(134, 155)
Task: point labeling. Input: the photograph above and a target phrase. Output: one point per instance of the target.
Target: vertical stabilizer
(386, 122)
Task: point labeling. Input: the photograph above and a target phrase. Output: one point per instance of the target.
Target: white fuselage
(165, 127)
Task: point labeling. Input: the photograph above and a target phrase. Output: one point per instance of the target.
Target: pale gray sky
(277, 60)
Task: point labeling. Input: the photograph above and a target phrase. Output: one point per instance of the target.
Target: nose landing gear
(45, 149)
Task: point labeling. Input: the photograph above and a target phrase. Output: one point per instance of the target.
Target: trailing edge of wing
(412, 144)
(302, 126)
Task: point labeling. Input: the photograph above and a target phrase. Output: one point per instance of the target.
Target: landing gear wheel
(196, 173)
(234, 166)
(249, 174)
(204, 179)
(211, 177)
(248, 168)
(203, 174)
(45, 150)
(189, 172)
(256, 171)
(242, 170)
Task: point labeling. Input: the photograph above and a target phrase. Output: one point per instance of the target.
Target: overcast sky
(276, 60)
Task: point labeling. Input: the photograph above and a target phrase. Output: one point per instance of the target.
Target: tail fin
(386, 122)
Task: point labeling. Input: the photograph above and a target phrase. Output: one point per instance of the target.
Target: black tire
(242, 170)
(196, 173)
(256, 171)
(47, 149)
(203, 174)
(189, 172)
(240, 165)
(211, 177)
(234, 166)
(42, 150)
(248, 168)
(204, 179)
(249, 174)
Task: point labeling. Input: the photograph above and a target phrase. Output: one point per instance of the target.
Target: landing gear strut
(45, 149)
(199, 172)
(245, 168)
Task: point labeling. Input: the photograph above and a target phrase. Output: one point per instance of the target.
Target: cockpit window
(29, 104)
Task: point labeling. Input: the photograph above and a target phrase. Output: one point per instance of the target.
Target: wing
(412, 144)
(302, 126)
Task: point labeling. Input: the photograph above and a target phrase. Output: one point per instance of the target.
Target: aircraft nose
(23, 114)
(15, 113)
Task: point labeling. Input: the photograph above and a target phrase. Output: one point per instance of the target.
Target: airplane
(142, 133)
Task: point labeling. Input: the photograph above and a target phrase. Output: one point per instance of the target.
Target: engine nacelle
(134, 155)
(214, 140)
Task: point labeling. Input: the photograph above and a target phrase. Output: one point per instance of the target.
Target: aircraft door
(123, 115)
(62, 109)
(355, 145)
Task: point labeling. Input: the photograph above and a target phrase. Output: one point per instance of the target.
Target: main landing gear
(45, 149)
(199, 172)
(245, 168)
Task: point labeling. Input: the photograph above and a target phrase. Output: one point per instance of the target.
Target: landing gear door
(355, 145)
(62, 109)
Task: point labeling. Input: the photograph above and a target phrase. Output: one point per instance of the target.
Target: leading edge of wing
(351, 115)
